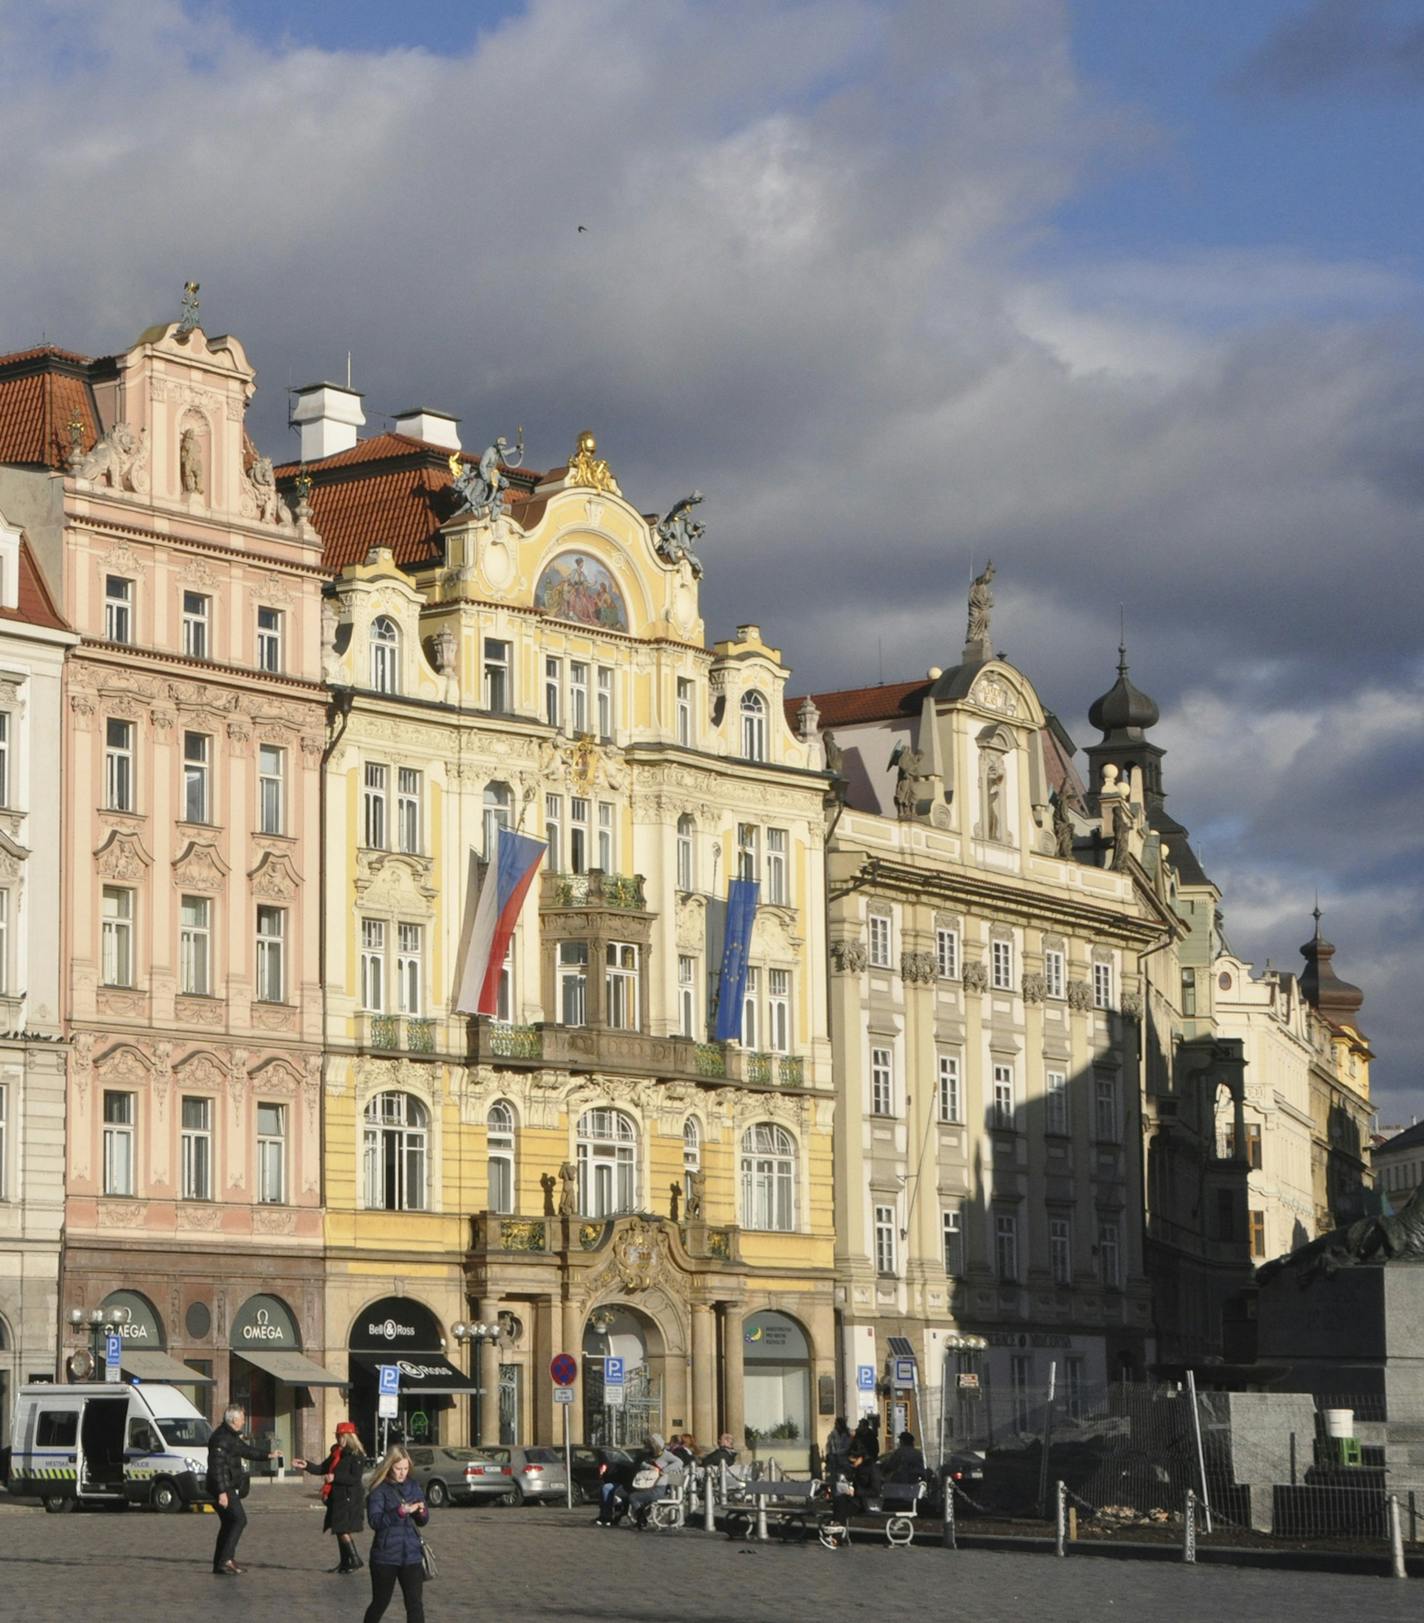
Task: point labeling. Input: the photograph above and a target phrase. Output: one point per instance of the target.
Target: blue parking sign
(865, 1377)
(390, 1379)
(613, 1372)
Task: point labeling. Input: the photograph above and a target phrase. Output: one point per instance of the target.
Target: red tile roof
(40, 390)
(35, 606)
(847, 706)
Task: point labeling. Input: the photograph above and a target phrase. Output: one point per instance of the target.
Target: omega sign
(263, 1321)
(262, 1328)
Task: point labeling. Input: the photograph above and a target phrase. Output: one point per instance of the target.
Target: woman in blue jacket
(394, 1508)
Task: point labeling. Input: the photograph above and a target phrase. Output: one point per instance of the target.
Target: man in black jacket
(226, 1452)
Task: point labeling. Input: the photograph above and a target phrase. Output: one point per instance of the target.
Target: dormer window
(753, 727)
(385, 655)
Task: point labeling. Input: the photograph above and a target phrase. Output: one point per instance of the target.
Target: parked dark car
(596, 1464)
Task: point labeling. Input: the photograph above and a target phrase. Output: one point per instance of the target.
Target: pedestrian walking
(395, 1509)
(838, 1441)
(905, 1463)
(226, 1452)
(343, 1492)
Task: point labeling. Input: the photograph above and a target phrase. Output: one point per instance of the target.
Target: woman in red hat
(343, 1491)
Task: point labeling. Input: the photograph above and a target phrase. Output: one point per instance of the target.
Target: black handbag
(427, 1560)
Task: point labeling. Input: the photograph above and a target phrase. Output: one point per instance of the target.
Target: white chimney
(434, 427)
(328, 416)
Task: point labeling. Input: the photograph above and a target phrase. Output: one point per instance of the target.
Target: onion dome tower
(1321, 987)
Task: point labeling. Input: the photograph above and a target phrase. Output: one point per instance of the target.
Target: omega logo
(263, 1329)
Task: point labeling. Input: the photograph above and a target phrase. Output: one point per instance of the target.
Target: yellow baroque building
(588, 1171)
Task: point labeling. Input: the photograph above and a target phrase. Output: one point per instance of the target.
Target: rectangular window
(373, 964)
(951, 1103)
(554, 832)
(118, 1143)
(686, 835)
(1074, 1388)
(882, 1082)
(197, 1149)
(197, 777)
(1021, 1388)
(5, 976)
(195, 625)
(778, 1011)
(195, 946)
(271, 954)
(1189, 993)
(497, 687)
(1109, 1255)
(409, 974)
(1056, 1119)
(553, 689)
(1253, 1143)
(271, 1154)
(504, 992)
(606, 849)
(408, 818)
(605, 702)
(578, 695)
(1105, 1118)
(4, 758)
(778, 881)
(1060, 1250)
(687, 996)
(573, 983)
(880, 940)
(1001, 965)
(1258, 1233)
(750, 999)
(1102, 986)
(947, 954)
(885, 1240)
(578, 834)
(373, 806)
(118, 765)
(684, 712)
(117, 945)
(269, 640)
(620, 985)
(1055, 973)
(271, 776)
(748, 851)
(4, 1140)
(952, 1223)
(118, 608)
(1006, 1247)
(1003, 1096)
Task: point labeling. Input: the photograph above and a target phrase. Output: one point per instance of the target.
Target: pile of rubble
(1126, 1516)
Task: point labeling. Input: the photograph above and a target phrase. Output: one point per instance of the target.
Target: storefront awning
(150, 1365)
(423, 1373)
(292, 1368)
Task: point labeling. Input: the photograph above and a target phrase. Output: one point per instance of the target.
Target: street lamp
(98, 1322)
(477, 1332)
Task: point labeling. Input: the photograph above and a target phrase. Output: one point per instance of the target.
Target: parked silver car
(464, 1475)
(534, 1475)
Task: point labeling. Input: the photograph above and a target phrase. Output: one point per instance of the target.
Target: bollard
(763, 1537)
(722, 1485)
(947, 1534)
(1060, 1546)
(1189, 1528)
(709, 1508)
(1396, 1538)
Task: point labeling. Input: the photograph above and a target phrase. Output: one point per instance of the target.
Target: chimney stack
(434, 427)
(328, 415)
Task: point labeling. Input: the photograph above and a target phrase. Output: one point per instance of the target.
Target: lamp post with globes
(484, 1369)
(97, 1323)
(967, 1377)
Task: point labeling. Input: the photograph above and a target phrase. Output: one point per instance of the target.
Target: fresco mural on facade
(577, 587)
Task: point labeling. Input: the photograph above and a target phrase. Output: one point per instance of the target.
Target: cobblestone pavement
(531, 1564)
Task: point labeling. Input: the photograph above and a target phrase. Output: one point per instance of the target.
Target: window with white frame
(4, 758)
(606, 1150)
(578, 695)
(196, 1148)
(1006, 1246)
(197, 778)
(499, 1127)
(195, 945)
(554, 832)
(607, 848)
(385, 655)
(196, 627)
(409, 787)
(1102, 986)
(768, 1178)
(269, 640)
(605, 701)
(753, 727)
(1055, 973)
(951, 1100)
(952, 1228)
(116, 945)
(748, 851)
(578, 834)
(947, 953)
(686, 848)
(118, 609)
(553, 689)
(1105, 1116)
(5, 975)
(395, 1153)
(1001, 965)
(885, 1247)
(691, 1159)
(1109, 1255)
(118, 1143)
(373, 964)
(1003, 1096)
(4, 1140)
(1060, 1250)
(685, 734)
(271, 783)
(1056, 1102)
(498, 694)
(410, 973)
(498, 813)
(778, 872)
(879, 928)
(882, 1082)
(118, 764)
(751, 998)
(778, 1011)
(375, 789)
(573, 983)
(687, 995)
(271, 954)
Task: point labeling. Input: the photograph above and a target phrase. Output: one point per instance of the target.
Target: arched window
(500, 1126)
(753, 726)
(499, 802)
(686, 846)
(385, 655)
(691, 1158)
(768, 1177)
(607, 1163)
(396, 1153)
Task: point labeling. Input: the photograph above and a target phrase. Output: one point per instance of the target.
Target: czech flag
(507, 878)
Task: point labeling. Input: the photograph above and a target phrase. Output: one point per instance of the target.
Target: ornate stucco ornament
(635, 1254)
(588, 469)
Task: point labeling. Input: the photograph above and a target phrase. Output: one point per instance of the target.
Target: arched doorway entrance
(776, 1376)
(402, 1332)
(619, 1339)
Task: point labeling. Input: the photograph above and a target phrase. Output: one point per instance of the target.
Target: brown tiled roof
(35, 606)
(889, 702)
(40, 390)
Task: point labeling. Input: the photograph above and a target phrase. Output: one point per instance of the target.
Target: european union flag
(736, 949)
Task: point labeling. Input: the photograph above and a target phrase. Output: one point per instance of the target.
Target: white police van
(108, 1444)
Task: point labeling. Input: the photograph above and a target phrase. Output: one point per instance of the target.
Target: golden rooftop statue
(586, 467)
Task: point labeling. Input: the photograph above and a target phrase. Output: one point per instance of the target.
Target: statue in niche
(993, 796)
(190, 463)
(678, 533)
(676, 1202)
(981, 602)
(1062, 826)
(910, 765)
(696, 1194)
(568, 1190)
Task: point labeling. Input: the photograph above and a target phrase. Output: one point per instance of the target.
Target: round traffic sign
(563, 1367)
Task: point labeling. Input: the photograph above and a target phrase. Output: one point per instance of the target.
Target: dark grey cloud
(1360, 45)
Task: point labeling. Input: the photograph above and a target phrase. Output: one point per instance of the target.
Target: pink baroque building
(188, 824)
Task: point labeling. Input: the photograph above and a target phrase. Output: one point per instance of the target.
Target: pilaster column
(734, 1416)
(487, 1362)
(704, 1374)
(572, 1317)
